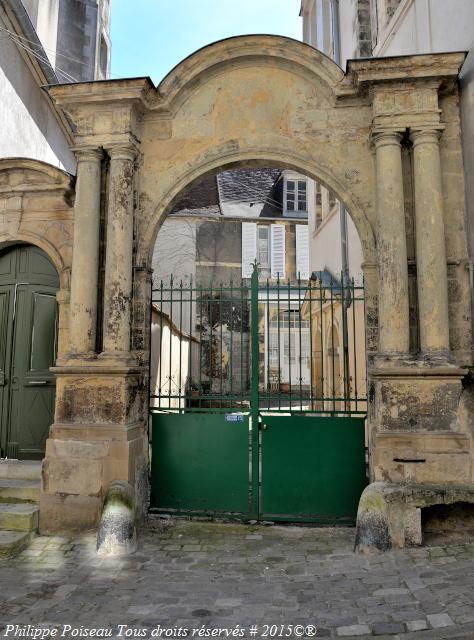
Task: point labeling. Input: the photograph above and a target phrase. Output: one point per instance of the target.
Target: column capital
(87, 153)
(122, 151)
(428, 134)
(381, 137)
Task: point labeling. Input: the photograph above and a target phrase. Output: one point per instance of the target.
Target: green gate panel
(200, 462)
(313, 468)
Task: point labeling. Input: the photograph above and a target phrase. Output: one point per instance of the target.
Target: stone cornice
(404, 70)
(102, 91)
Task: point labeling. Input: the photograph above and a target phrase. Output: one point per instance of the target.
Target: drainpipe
(336, 37)
(346, 301)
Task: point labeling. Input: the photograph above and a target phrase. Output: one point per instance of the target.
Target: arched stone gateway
(384, 137)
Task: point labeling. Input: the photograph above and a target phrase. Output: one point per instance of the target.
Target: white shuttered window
(249, 247)
(302, 251)
(278, 250)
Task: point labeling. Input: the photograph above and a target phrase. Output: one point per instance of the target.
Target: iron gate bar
(272, 383)
(254, 402)
(291, 365)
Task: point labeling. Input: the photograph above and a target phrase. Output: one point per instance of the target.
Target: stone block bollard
(117, 534)
(373, 528)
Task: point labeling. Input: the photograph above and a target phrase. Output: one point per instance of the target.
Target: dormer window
(295, 196)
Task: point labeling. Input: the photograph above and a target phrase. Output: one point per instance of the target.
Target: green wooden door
(28, 330)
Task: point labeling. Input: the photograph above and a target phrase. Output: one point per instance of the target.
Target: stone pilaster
(85, 261)
(63, 298)
(391, 244)
(118, 262)
(430, 244)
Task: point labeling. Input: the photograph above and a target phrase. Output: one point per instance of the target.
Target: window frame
(295, 213)
(264, 271)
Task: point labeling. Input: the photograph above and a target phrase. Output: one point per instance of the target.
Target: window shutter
(302, 251)
(278, 250)
(249, 248)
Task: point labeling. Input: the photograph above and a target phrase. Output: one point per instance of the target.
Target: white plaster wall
(47, 27)
(175, 251)
(175, 255)
(428, 26)
(355, 256)
(348, 43)
(241, 209)
(325, 247)
(29, 127)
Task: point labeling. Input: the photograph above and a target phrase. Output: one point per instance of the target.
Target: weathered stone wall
(385, 138)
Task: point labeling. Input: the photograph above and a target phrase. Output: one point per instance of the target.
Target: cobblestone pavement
(190, 574)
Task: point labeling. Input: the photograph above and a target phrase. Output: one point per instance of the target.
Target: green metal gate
(258, 399)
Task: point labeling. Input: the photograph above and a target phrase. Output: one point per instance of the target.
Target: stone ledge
(93, 431)
(389, 515)
(418, 369)
(97, 369)
(426, 495)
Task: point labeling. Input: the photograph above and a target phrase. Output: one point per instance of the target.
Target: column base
(81, 462)
(419, 423)
(100, 435)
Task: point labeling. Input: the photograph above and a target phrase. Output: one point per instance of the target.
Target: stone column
(391, 245)
(430, 243)
(118, 264)
(85, 260)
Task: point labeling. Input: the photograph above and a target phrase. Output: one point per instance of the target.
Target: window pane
(290, 185)
(263, 250)
(302, 186)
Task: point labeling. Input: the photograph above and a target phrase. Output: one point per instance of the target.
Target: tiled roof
(233, 186)
(201, 196)
(247, 185)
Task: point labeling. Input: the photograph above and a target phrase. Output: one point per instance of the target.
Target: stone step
(19, 490)
(22, 469)
(12, 542)
(22, 516)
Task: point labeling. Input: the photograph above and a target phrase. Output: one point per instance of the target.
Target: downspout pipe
(346, 299)
(336, 36)
(343, 213)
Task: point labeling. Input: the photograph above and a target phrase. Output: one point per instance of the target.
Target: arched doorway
(359, 133)
(28, 344)
(250, 389)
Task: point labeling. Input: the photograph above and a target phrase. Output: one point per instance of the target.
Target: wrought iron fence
(269, 345)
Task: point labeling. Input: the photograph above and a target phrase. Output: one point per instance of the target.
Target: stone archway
(269, 99)
(36, 205)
